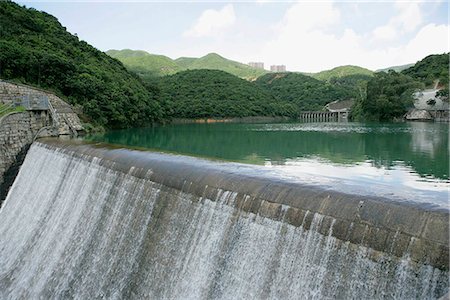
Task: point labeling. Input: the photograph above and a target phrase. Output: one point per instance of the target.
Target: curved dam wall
(88, 221)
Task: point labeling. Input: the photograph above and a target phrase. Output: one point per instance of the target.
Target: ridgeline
(149, 65)
(342, 71)
(144, 64)
(395, 68)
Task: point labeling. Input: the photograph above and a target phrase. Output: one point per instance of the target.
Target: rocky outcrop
(418, 115)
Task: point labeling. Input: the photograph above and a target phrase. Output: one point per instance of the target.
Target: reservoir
(231, 211)
(395, 160)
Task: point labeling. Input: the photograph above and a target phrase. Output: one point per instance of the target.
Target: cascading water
(73, 226)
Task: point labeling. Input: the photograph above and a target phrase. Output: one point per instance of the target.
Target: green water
(402, 155)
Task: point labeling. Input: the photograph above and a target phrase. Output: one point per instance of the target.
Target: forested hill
(305, 92)
(149, 65)
(144, 64)
(212, 93)
(36, 49)
(390, 95)
(217, 62)
(430, 69)
(341, 71)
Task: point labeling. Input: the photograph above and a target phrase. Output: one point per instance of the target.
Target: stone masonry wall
(68, 121)
(17, 132)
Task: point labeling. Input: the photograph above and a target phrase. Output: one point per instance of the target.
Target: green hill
(145, 64)
(306, 93)
(350, 81)
(431, 68)
(185, 62)
(213, 93)
(36, 49)
(214, 61)
(149, 65)
(341, 72)
(390, 95)
(395, 68)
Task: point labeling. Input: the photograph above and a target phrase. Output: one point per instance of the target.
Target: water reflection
(421, 148)
(425, 140)
(363, 178)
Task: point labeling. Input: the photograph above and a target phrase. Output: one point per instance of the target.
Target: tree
(389, 96)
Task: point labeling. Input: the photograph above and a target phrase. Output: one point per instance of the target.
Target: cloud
(408, 18)
(262, 1)
(306, 41)
(430, 39)
(384, 33)
(212, 22)
(306, 16)
(311, 37)
(301, 37)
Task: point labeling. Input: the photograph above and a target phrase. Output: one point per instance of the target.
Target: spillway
(89, 221)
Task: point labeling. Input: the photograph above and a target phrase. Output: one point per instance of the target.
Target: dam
(88, 220)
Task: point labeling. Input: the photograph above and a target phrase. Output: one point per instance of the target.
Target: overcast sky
(305, 36)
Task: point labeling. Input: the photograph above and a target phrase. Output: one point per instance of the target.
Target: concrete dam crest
(91, 221)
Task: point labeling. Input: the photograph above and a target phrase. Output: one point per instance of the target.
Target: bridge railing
(53, 114)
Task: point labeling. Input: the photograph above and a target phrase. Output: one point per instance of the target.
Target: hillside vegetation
(395, 68)
(355, 84)
(216, 62)
(341, 71)
(213, 93)
(6, 109)
(144, 64)
(149, 65)
(305, 92)
(185, 62)
(389, 96)
(430, 69)
(36, 49)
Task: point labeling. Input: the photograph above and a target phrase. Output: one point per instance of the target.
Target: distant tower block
(278, 68)
(257, 65)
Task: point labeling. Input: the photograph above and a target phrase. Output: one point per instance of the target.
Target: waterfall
(74, 226)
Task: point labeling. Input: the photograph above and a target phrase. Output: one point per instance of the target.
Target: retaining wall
(17, 132)
(68, 121)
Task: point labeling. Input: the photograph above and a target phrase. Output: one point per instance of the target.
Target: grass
(6, 109)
